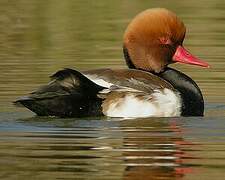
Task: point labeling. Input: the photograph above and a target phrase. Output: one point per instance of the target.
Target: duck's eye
(165, 41)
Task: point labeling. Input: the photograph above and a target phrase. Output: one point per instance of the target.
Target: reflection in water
(132, 149)
(154, 151)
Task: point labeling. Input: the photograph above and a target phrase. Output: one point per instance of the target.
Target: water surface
(38, 38)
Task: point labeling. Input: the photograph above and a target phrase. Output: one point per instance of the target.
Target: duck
(147, 88)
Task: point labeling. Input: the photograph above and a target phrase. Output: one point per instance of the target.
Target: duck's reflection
(151, 148)
(154, 149)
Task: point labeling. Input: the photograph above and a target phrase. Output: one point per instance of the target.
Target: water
(39, 37)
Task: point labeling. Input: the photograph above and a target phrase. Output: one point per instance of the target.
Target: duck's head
(154, 39)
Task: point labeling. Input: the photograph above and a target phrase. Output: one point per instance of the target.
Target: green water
(39, 37)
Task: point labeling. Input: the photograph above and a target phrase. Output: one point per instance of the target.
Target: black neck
(192, 99)
(127, 58)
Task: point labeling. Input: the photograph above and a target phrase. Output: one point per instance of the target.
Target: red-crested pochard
(148, 88)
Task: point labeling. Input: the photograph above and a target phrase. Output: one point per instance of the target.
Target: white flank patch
(161, 103)
(98, 81)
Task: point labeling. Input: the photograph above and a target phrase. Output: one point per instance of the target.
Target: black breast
(192, 99)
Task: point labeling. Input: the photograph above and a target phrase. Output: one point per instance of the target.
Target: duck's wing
(65, 82)
(130, 78)
(69, 93)
(135, 93)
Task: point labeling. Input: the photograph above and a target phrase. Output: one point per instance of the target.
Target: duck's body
(117, 93)
(148, 88)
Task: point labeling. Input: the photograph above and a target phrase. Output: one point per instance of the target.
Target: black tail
(69, 94)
